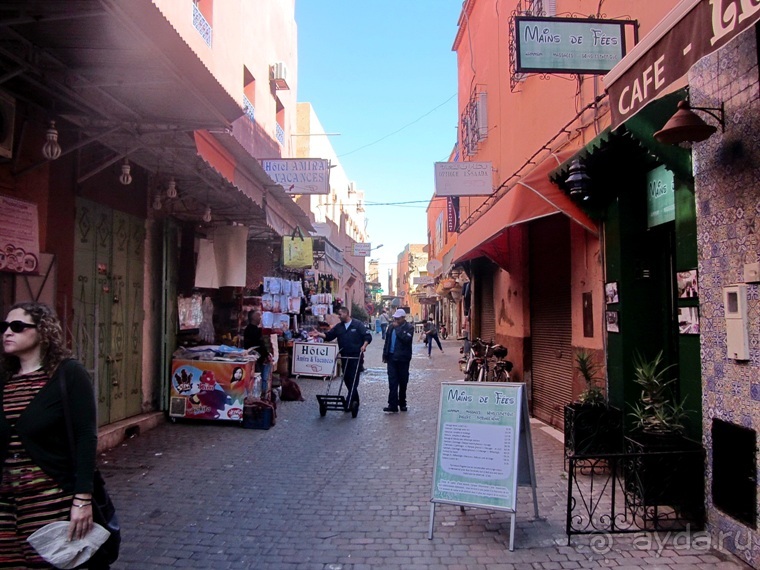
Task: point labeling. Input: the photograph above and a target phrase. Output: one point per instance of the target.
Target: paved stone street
(337, 493)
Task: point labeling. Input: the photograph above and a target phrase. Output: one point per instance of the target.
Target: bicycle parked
(486, 362)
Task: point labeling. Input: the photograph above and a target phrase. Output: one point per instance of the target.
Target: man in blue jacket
(397, 354)
(353, 338)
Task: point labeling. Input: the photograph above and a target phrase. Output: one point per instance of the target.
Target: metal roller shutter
(487, 312)
(551, 321)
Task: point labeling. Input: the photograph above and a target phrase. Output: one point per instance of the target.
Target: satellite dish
(433, 266)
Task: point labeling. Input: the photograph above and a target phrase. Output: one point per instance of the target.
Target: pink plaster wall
(267, 32)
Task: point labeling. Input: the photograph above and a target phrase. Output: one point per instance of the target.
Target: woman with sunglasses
(39, 484)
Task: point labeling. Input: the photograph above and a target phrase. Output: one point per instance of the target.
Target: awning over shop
(448, 260)
(233, 162)
(530, 198)
(658, 65)
(637, 130)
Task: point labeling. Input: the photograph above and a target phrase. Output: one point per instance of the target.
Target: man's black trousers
(398, 378)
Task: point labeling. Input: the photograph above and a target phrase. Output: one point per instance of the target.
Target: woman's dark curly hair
(52, 346)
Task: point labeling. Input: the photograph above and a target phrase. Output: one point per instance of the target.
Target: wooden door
(108, 313)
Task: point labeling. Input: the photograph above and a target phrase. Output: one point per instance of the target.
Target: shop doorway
(108, 306)
(550, 318)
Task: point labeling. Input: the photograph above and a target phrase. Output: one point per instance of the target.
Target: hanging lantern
(51, 150)
(171, 190)
(126, 177)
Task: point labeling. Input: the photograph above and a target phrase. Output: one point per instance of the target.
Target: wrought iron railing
(635, 492)
(279, 133)
(201, 24)
(248, 109)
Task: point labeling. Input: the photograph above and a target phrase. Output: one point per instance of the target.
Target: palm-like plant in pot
(668, 468)
(591, 425)
(657, 413)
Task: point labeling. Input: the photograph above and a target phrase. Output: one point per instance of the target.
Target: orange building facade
(553, 268)
(532, 256)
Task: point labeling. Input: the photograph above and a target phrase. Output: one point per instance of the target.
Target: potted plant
(657, 413)
(666, 468)
(591, 425)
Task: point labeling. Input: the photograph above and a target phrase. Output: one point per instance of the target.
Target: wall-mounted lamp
(126, 177)
(157, 202)
(51, 149)
(171, 190)
(578, 181)
(207, 215)
(686, 126)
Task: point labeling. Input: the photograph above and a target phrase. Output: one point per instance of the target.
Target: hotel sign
(463, 179)
(664, 57)
(299, 175)
(569, 45)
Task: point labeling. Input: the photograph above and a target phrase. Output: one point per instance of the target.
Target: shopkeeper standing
(353, 338)
(254, 337)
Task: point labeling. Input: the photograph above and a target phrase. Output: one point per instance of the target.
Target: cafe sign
(660, 63)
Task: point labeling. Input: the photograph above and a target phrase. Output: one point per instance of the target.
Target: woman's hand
(80, 520)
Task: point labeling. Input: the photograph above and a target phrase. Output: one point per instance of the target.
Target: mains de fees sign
(569, 45)
(478, 442)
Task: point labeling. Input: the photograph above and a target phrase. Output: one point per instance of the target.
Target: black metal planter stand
(642, 489)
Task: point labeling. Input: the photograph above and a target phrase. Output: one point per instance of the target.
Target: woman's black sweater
(43, 432)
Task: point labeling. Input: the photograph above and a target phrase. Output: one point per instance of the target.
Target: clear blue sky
(369, 69)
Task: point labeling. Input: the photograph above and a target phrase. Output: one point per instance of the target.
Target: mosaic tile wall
(727, 186)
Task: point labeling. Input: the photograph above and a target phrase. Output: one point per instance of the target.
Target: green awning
(641, 128)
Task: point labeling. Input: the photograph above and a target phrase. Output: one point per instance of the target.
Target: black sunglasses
(16, 326)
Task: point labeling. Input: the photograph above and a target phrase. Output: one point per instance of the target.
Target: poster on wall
(19, 236)
(688, 286)
(688, 320)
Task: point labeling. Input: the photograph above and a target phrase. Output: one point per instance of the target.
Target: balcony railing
(201, 24)
(279, 133)
(248, 109)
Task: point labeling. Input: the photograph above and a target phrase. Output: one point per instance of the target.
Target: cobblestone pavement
(336, 493)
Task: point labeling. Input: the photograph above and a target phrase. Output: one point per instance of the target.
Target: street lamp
(376, 247)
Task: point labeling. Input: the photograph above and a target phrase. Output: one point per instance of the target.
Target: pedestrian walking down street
(353, 338)
(397, 354)
(431, 334)
(40, 483)
(383, 322)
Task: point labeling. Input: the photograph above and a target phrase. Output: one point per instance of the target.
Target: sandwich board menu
(484, 449)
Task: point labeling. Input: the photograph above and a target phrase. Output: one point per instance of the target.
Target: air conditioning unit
(7, 122)
(280, 76)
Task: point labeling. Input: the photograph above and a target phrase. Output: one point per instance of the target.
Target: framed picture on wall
(687, 284)
(611, 292)
(612, 318)
(688, 320)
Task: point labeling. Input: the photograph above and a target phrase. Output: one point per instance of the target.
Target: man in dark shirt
(397, 354)
(253, 337)
(353, 338)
